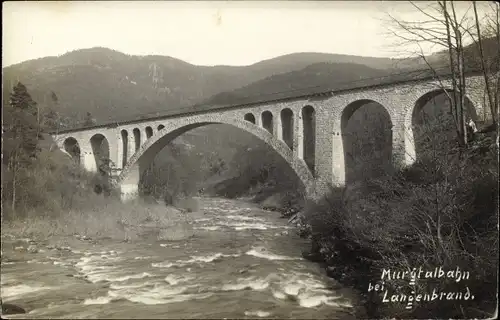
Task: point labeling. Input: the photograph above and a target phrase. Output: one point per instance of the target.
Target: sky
(204, 33)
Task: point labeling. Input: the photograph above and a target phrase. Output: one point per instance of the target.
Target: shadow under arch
(149, 132)
(125, 146)
(72, 147)
(137, 138)
(100, 149)
(367, 152)
(141, 160)
(287, 125)
(422, 101)
(250, 117)
(419, 121)
(308, 152)
(268, 121)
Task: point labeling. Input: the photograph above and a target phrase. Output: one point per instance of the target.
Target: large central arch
(141, 160)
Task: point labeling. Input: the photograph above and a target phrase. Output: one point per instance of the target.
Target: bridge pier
(129, 188)
(338, 159)
(399, 147)
(87, 160)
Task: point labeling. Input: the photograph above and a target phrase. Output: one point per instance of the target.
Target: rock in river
(8, 308)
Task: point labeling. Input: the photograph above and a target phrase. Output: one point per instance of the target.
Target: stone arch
(267, 121)
(470, 109)
(415, 118)
(149, 132)
(72, 147)
(100, 149)
(131, 173)
(287, 127)
(308, 143)
(250, 117)
(137, 139)
(160, 127)
(356, 157)
(124, 135)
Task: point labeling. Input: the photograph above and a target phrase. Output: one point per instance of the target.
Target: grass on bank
(440, 212)
(56, 198)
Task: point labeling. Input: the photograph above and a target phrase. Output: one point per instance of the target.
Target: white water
(240, 264)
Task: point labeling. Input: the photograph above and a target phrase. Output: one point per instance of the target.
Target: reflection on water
(241, 262)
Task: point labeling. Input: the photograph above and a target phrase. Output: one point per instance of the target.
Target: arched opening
(149, 132)
(100, 149)
(137, 139)
(72, 148)
(124, 134)
(367, 140)
(131, 178)
(267, 121)
(287, 127)
(309, 136)
(160, 127)
(433, 127)
(250, 118)
(214, 152)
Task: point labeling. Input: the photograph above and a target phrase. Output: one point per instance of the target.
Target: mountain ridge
(284, 56)
(112, 85)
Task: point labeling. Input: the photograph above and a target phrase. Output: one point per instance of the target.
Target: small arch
(149, 132)
(160, 127)
(287, 127)
(250, 118)
(267, 121)
(100, 149)
(72, 148)
(309, 136)
(137, 138)
(124, 134)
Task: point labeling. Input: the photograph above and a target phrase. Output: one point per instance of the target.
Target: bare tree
(489, 62)
(443, 28)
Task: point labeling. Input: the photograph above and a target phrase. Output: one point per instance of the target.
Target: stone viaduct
(307, 131)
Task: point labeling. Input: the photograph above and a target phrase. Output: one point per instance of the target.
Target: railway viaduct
(306, 130)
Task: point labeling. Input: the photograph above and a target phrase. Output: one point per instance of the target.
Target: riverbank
(106, 217)
(49, 240)
(443, 222)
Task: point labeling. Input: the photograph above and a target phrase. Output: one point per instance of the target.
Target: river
(240, 262)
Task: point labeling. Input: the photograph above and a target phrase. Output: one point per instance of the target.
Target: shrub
(417, 219)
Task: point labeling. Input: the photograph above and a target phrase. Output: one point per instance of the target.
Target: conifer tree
(89, 120)
(20, 134)
(52, 118)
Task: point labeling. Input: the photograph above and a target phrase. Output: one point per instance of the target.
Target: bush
(442, 211)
